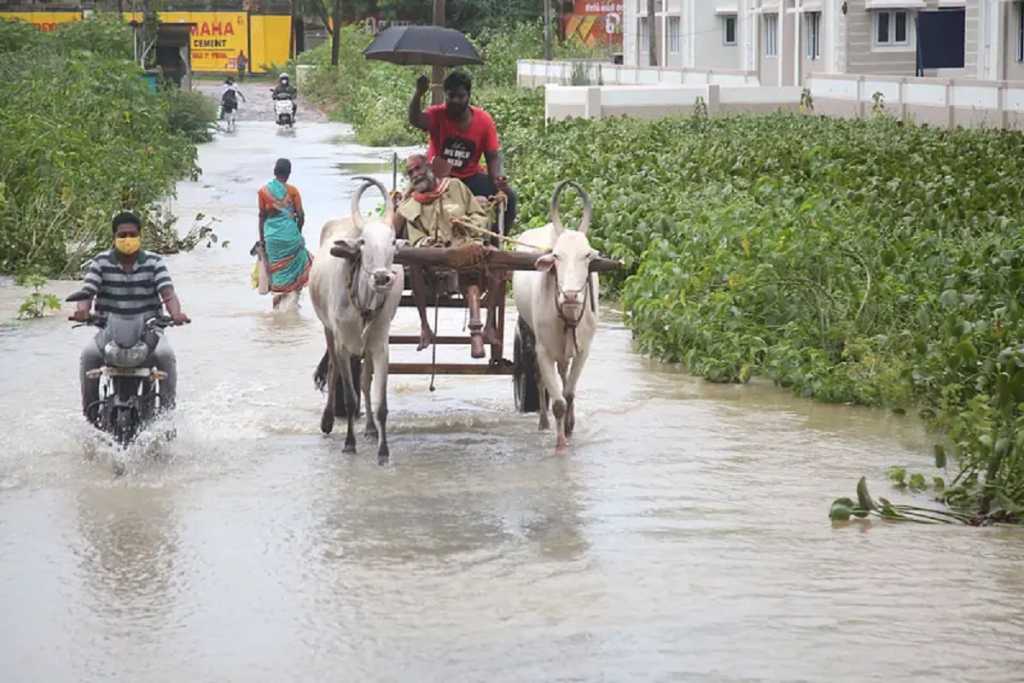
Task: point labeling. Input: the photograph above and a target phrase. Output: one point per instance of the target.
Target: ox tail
(320, 380)
(356, 363)
(320, 374)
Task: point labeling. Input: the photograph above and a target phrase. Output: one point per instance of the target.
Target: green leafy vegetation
(83, 138)
(38, 302)
(853, 261)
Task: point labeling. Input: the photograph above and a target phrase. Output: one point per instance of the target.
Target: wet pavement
(683, 538)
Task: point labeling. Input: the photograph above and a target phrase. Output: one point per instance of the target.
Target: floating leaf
(863, 497)
(918, 482)
(898, 476)
(841, 510)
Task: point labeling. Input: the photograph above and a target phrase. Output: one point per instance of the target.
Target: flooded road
(685, 536)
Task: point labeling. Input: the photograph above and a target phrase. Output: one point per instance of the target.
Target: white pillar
(780, 42)
(798, 27)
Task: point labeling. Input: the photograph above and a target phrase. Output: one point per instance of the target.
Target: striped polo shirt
(127, 292)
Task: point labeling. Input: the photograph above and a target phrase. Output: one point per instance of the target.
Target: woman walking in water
(281, 220)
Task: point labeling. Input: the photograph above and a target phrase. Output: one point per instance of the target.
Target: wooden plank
(415, 339)
(448, 369)
(443, 302)
(436, 257)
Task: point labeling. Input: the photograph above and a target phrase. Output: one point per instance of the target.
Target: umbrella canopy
(432, 45)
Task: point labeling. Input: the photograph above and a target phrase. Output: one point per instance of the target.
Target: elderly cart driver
(444, 213)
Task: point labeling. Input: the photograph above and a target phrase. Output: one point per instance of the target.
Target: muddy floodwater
(683, 538)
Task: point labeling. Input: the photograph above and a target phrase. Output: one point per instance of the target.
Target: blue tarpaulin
(940, 40)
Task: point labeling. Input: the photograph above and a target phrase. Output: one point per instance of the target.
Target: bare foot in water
(426, 337)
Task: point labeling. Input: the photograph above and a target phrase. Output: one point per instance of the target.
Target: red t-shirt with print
(460, 147)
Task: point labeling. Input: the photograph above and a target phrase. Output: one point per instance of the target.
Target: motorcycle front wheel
(125, 425)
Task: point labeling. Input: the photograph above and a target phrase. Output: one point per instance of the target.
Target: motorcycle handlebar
(161, 321)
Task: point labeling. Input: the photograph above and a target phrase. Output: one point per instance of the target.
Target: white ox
(559, 304)
(356, 288)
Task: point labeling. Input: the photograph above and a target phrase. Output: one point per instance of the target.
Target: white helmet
(283, 77)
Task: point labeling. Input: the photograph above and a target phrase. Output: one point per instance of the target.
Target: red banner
(594, 23)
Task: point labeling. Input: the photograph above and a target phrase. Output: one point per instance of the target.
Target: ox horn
(357, 216)
(556, 217)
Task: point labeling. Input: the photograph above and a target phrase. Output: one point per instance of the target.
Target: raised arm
(417, 119)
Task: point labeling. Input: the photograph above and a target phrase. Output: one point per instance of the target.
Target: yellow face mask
(128, 245)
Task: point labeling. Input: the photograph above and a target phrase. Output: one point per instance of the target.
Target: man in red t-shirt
(460, 134)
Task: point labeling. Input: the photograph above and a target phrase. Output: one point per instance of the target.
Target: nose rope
(367, 314)
(570, 325)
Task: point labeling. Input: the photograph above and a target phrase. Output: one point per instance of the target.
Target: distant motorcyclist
(127, 280)
(284, 90)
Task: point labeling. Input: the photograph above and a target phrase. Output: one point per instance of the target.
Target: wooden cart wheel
(524, 374)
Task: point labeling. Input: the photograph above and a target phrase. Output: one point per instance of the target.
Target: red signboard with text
(594, 23)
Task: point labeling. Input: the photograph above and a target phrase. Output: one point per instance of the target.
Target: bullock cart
(499, 262)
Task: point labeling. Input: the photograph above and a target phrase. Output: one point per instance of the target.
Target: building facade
(784, 41)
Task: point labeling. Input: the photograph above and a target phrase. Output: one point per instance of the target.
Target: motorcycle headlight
(120, 357)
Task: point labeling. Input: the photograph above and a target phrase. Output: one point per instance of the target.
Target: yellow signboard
(271, 41)
(44, 21)
(217, 37)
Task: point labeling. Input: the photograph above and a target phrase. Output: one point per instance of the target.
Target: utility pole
(651, 33)
(437, 72)
(547, 29)
(336, 33)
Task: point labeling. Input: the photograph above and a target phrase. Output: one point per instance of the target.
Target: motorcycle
(129, 388)
(284, 110)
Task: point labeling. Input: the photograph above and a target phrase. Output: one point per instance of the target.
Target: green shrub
(191, 114)
(83, 138)
(104, 34)
(852, 261)
(18, 35)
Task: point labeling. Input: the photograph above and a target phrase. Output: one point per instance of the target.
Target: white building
(783, 41)
(689, 34)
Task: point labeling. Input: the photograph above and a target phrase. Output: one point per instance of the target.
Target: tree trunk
(336, 33)
(651, 33)
(547, 30)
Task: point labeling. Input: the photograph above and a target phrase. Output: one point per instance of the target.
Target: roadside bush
(852, 261)
(83, 137)
(191, 114)
(104, 34)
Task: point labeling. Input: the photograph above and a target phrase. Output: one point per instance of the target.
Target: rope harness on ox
(367, 314)
(570, 324)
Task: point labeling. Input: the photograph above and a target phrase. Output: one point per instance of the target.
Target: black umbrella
(433, 45)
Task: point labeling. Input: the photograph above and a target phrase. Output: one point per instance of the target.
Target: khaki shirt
(431, 224)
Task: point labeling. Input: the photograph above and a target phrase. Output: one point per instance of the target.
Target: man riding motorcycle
(284, 90)
(127, 280)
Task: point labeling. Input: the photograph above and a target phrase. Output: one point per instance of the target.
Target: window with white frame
(673, 35)
(813, 20)
(729, 29)
(892, 28)
(771, 35)
(644, 41)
